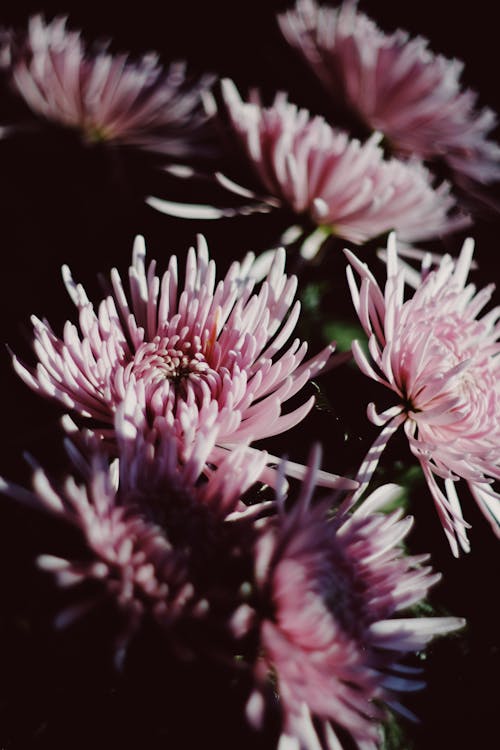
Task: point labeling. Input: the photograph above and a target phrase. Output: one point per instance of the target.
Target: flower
(193, 358)
(108, 98)
(125, 552)
(154, 463)
(397, 85)
(340, 184)
(442, 363)
(156, 552)
(333, 636)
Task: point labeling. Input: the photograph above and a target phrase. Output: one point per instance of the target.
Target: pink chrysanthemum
(397, 86)
(443, 364)
(342, 185)
(332, 641)
(108, 98)
(191, 357)
(154, 551)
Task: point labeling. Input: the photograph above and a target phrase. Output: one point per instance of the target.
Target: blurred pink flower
(200, 357)
(107, 97)
(145, 547)
(333, 640)
(397, 86)
(443, 364)
(156, 461)
(342, 185)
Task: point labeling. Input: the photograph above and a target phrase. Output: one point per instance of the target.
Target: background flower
(108, 98)
(397, 85)
(337, 182)
(156, 461)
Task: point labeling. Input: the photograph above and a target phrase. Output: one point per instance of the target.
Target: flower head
(334, 634)
(340, 184)
(108, 98)
(187, 358)
(442, 363)
(156, 551)
(397, 85)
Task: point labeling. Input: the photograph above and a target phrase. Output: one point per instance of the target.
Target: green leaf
(394, 736)
(344, 333)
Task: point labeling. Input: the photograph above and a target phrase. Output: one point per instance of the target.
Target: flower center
(344, 595)
(162, 359)
(447, 380)
(95, 134)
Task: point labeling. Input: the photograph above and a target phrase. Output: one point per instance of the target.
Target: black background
(63, 203)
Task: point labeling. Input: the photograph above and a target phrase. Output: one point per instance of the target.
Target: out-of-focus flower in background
(156, 462)
(397, 86)
(443, 363)
(108, 98)
(193, 357)
(344, 187)
(340, 182)
(332, 641)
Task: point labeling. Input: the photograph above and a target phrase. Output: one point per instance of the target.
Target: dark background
(62, 203)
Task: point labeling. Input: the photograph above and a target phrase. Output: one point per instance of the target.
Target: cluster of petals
(334, 638)
(153, 463)
(338, 183)
(322, 596)
(144, 544)
(192, 357)
(397, 85)
(443, 363)
(107, 97)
